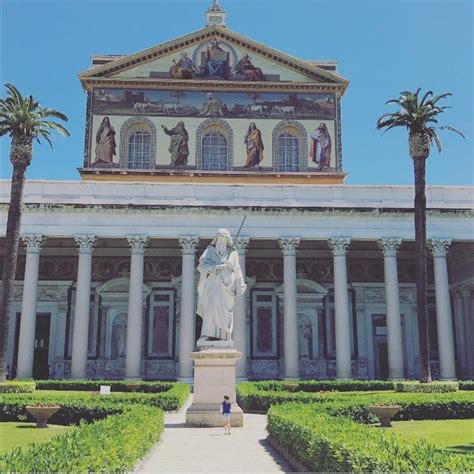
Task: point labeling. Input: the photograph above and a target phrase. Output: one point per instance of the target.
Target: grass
(17, 435)
(453, 435)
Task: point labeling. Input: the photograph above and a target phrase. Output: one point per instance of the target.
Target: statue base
(214, 377)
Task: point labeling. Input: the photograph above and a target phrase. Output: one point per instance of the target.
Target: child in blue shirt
(226, 414)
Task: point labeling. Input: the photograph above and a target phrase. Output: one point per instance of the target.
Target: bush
(434, 387)
(94, 385)
(113, 444)
(326, 443)
(466, 385)
(344, 385)
(87, 407)
(17, 387)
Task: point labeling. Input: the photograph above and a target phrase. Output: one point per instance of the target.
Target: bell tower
(215, 14)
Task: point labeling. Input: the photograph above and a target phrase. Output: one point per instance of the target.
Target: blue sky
(382, 47)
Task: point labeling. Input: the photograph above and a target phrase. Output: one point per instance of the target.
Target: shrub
(434, 387)
(344, 385)
(17, 387)
(326, 443)
(94, 385)
(110, 445)
(466, 385)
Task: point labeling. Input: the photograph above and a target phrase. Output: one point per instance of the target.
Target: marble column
(133, 355)
(188, 246)
(80, 333)
(290, 317)
(444, 320)
(339, 246)
(390, 246)
(26, 342)
(240, 313)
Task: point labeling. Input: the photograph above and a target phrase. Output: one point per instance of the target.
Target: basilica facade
(204, 132)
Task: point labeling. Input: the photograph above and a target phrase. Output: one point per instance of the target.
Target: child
(226, 414)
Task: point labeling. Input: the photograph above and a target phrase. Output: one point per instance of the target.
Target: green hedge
(434, 387)
(84, 406)
(115, 385)
(17, 387)
(414, 405)
(466, 385)
(110, 445)
(326, 443)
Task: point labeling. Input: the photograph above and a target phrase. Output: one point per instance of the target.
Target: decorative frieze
(33, 242)
(85, 242)
(289, 245)
(339, 245)
(439, 247)
(389, 245)
(137, 243)
(188, 244)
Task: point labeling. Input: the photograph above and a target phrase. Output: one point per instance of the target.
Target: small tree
(24, 120)
(420, 119)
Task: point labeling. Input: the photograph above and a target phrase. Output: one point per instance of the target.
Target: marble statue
(305, 339)
(220, 282)
(120, 339)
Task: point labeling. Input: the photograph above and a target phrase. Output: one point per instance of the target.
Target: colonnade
(188, 244)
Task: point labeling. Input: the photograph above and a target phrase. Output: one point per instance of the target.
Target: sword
(240, 228)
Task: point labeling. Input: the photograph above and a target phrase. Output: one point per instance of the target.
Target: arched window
(138, 144)
(288, 151)
(139, 150)
(214, 151)
(289, 147)
(214, 145)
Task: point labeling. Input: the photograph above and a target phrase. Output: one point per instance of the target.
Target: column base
(210, 416)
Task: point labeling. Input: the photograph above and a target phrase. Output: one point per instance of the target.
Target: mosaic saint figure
(184, 68)
(254, 143)
(213, 107)
(105, 143)
(178, 148)
(221, 281)
(320, 151)
(215, 61)
(246, 68)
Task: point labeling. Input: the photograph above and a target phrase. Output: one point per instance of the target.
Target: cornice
(226, 210)
(185, 41)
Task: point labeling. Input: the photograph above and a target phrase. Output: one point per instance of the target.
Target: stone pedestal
(214, 377)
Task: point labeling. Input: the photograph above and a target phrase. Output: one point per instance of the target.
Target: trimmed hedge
(110, 445)
(17, 387)
(12, 406)
(115, 385)
(434, 387)
(466, 385)
(326, 443)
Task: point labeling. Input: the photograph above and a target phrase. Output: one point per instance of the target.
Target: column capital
(86, 242)
(188, 244)
(137, 243)
(241, 244)
(339, 245)
(389, 245)
(439, 247)
(289, 245)
(33, 242)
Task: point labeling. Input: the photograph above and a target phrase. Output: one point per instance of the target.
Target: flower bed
(115, 443)
(327, 443)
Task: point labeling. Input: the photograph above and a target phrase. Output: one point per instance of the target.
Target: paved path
(191, 450)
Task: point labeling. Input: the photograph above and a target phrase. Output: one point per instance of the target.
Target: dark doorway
(379, 335)
(40, 362)
(382, 359)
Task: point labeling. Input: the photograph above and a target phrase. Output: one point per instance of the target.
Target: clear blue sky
(382, 47)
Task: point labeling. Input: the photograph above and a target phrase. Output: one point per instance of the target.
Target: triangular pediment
(226, 49)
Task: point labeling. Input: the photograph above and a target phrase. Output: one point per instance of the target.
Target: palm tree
(420, 119)
(24, 120)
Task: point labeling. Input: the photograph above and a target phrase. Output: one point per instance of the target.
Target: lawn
(453, 435)
(16, 434)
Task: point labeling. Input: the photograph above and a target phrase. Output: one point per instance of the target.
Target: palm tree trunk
(420, 264)
(20, 157)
